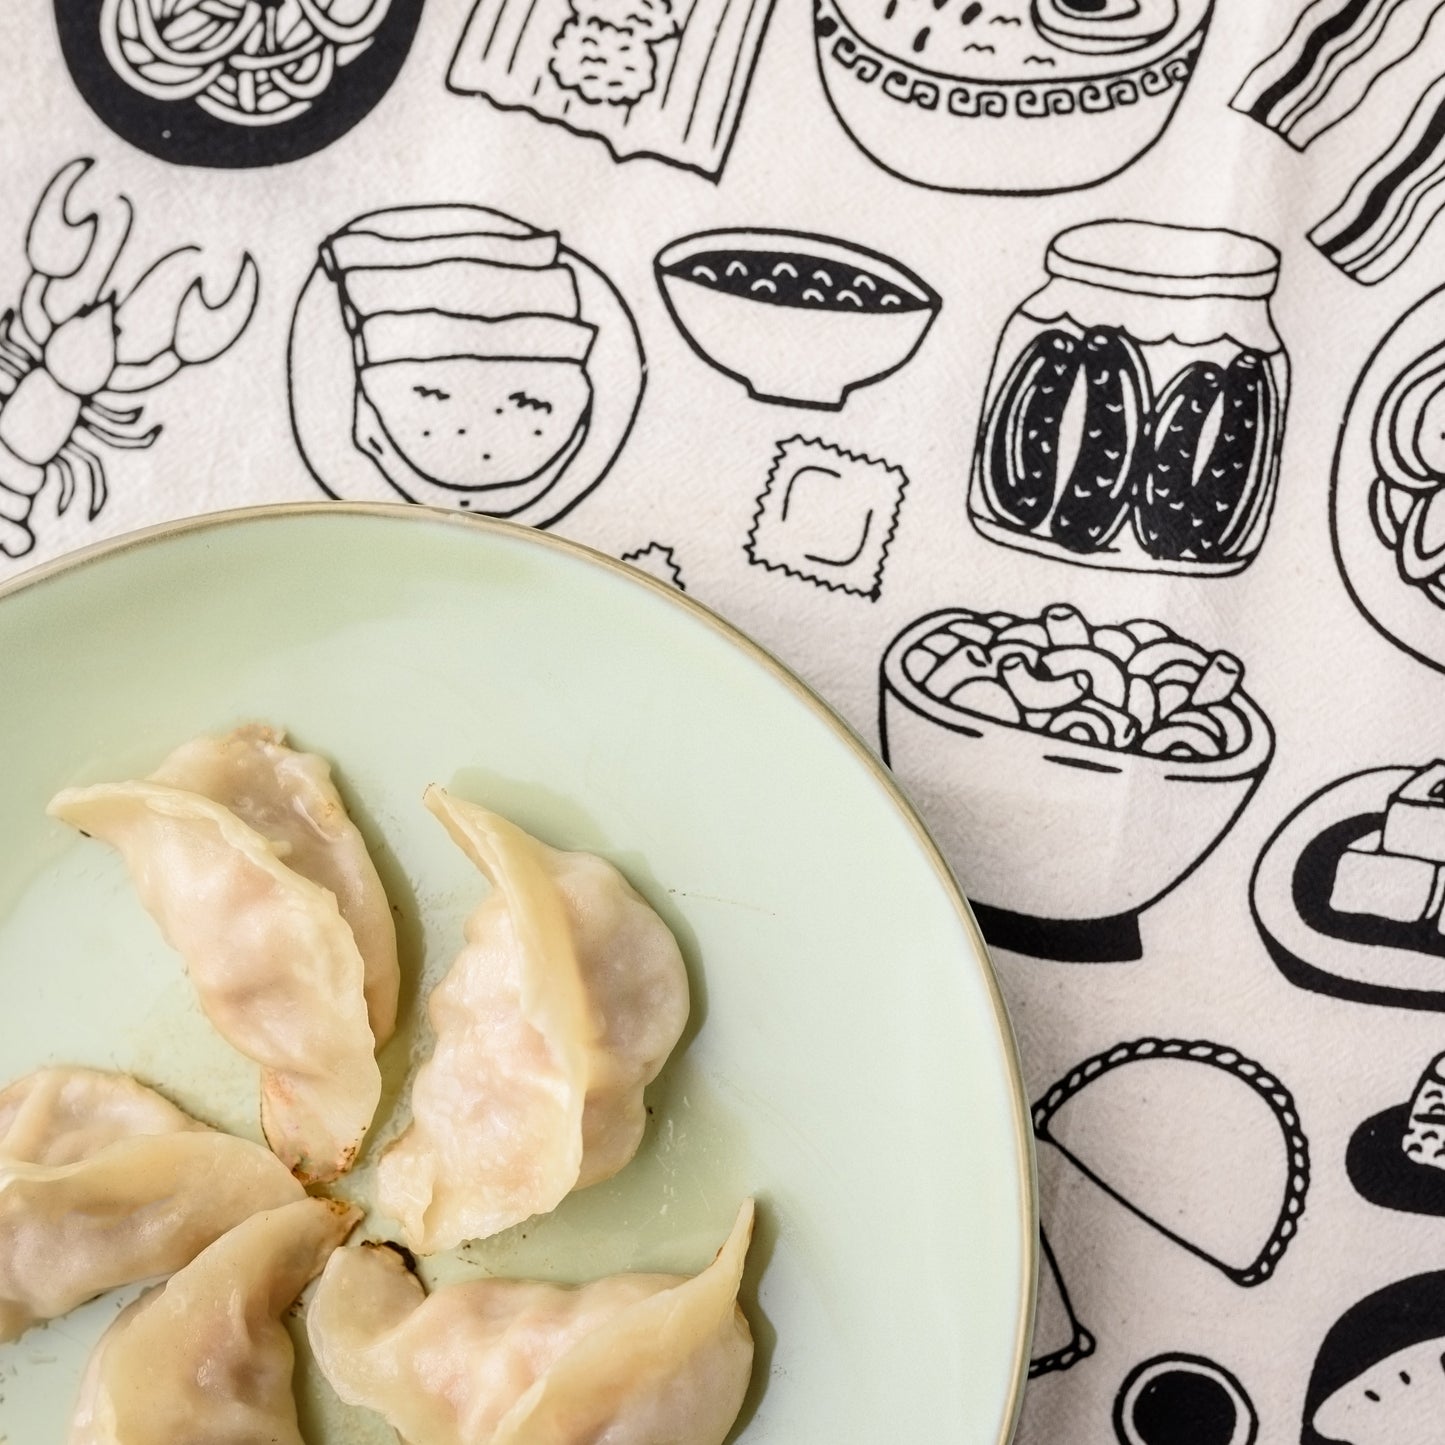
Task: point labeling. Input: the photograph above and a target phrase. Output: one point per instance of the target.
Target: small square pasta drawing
(827, 516)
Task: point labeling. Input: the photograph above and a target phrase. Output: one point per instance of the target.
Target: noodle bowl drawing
(249, 62)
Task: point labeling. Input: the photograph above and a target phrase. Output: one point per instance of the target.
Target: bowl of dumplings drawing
(656, 780)
(1007, 96)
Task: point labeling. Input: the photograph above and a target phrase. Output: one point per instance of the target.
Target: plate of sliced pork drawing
(454, 356)
(612, 854)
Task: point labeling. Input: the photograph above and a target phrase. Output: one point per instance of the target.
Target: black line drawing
(1394, 202)
(1396, 1158)
(234, 84)
(1115, 731)
(1335, 53)
(1235, 1123)
(1347, 892)
(658, 561)
(77, 350)
(1127, 425)
(451, 355)
(1386, 512)
(1377, 1375)
(800, 320)
(1005, 96)
(827, 516)
(1060, 1341)
(659, 78)
(1183, 1400)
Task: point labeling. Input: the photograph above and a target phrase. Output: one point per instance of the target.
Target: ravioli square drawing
(827, 516)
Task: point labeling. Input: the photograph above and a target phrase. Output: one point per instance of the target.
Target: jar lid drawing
(1150, 259)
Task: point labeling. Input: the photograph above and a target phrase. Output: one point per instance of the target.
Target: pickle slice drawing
(1202, 485)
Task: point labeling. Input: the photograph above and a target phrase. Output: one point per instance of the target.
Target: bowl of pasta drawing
(1108, 731)
(1007, 96)
(458, 1038)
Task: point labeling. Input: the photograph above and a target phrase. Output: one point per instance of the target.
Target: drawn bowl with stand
(1062, 877)
(945, 122)
(800, 320)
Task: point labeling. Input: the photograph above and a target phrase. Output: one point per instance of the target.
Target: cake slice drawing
(1396, 1158)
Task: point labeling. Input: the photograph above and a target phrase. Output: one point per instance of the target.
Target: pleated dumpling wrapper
(633, 1359)
(563, 1005)
(205, 1359)
(289, 798)
(239, 877)
(104, 1183)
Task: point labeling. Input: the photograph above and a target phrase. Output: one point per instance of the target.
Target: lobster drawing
(75, 350)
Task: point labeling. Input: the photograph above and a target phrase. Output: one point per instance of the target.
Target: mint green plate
(848, 1061)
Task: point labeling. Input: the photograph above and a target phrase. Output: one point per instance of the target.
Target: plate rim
(876, 769)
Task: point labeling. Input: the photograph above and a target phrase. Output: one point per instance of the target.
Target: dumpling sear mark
(1004, 20)
(982, 49)
(529, 403)
(1039, 60)
(433, 392)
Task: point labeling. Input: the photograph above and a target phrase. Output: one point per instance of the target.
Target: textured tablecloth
(1229, 906)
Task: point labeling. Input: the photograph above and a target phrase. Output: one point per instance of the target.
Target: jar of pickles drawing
(1136, 408)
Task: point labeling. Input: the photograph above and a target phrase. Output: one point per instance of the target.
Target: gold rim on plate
(1024, 1139)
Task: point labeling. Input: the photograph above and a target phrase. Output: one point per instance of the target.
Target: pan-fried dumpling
(104, 1183)
(275, 965)
(634, 1359)
(205, 1359)
(288, 797)
(564, 1003)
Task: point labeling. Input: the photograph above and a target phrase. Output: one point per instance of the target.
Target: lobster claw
(167, 322)
(55, 245)
(72, 260)
(145, 320)
(203, 330)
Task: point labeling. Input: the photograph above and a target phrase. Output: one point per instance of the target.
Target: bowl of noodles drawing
(1388, 506)
(1007, 96)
